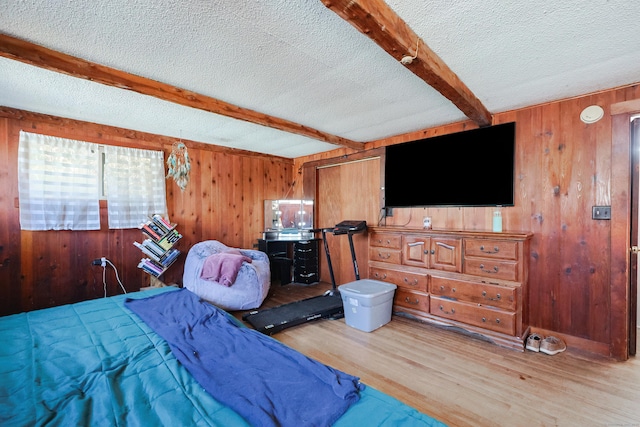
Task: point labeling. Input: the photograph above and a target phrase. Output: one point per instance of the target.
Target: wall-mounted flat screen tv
(469, 168)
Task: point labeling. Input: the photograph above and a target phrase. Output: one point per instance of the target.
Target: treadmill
(326, 306)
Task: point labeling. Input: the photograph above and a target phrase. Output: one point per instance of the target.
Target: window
(134, 185)
(57, 183)
(60, 184)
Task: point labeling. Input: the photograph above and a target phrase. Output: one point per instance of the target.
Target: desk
(302, 254)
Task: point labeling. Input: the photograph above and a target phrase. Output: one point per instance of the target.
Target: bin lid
(368, 287)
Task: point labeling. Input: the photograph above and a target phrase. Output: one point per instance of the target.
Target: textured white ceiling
(299, 61)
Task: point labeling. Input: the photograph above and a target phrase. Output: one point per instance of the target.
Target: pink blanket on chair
(223, 267)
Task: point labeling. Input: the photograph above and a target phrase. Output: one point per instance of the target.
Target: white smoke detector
(592, 114)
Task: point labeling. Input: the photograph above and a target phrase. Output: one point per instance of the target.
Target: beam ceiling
(42, 57)
(376, 20)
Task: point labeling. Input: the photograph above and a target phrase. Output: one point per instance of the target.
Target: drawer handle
(495, 250)
(384, 256)
(414, 302)
(414, 283)
(384, 276)
(484, 319)
(453, 310)
(495, 269)
(497, 298)
(415, 244)
(444, 245)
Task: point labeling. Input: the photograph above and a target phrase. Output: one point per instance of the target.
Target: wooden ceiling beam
(42, 57)
(376, 20)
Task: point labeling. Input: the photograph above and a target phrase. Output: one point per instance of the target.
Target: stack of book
(158, 246)
(156, 227)
(150, 267)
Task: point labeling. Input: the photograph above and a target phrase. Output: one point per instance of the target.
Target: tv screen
(469, 168)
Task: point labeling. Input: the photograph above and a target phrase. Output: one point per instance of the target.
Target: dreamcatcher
(179, 165)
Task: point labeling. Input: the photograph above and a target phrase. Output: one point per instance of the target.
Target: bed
(107, 362)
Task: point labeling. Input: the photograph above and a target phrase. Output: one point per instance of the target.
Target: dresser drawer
(384, 255)
(403, 279)
(490, 294)
(491, 249)
(384, 240)
(413, 300)
(473, 314)
(493, 268)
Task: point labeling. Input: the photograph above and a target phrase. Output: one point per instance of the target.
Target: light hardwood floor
(464, 381)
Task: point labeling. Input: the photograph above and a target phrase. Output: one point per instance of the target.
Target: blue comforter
(266, 382)
(96, 363)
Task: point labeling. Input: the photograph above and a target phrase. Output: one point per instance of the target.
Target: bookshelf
(158, 246)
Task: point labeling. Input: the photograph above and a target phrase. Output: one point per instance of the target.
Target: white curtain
(57, 183)
(134, 185)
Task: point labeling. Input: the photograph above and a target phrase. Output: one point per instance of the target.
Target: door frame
(635, 203)
(310, 190)
(623, 274)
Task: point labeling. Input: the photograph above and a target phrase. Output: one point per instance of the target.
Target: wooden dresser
(473, 281)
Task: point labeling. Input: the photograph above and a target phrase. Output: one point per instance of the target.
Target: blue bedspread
(266, 382)
(96, 363)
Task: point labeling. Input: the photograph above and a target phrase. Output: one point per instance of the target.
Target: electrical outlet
(601, 212)
(388, 211)
(426, 222)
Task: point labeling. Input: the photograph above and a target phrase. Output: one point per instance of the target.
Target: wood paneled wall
(223, 201)
(563, 168)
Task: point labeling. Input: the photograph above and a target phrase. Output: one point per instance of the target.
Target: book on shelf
(153, 251)
(147, 251)
(153, 246)
(156, 228)
(158, 246)
(169, 257)
(149, 231)
(150, 267)
(160, 220)
(169, 239)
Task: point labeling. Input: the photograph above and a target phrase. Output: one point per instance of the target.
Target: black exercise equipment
(326, 306)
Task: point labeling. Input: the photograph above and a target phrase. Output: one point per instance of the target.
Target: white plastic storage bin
(367, 303)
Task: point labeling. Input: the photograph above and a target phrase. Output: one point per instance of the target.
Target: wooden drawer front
(414, 281)
(384, 240)
(446, 254)
(412, 300)
(491, 248)
(496, 269)
(415, 251)
(384, 255)
(483, 317)
(504, 297)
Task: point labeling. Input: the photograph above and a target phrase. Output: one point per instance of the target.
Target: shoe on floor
(533, 342)
(552, 345)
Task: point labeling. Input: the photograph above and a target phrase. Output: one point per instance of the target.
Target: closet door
(347, 191)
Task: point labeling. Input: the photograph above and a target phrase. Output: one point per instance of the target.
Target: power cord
(103, 263)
